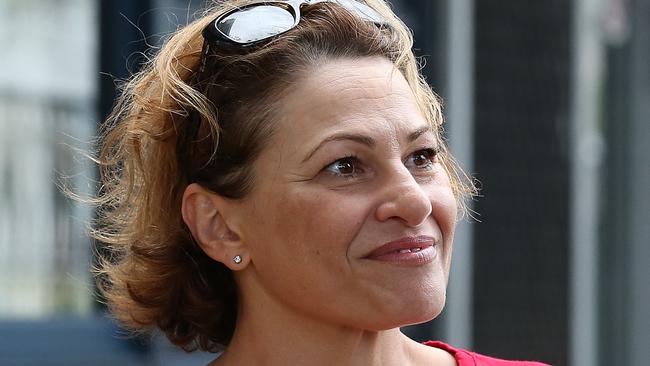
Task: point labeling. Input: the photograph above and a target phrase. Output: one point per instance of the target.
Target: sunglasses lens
(363, 11)
(256, 23)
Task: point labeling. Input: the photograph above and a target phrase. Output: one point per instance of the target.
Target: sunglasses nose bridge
(297, 4)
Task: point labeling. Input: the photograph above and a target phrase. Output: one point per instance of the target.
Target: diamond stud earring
(237, 259)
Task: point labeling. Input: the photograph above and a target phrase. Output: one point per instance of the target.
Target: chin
(416, 311)
(428, 311)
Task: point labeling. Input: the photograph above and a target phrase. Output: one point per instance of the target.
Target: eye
(421, 159)
(347, 167)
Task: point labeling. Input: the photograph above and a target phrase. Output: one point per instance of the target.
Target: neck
(293, 346)
(270, 333)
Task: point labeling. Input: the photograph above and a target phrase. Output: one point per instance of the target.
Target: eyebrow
(363, 139)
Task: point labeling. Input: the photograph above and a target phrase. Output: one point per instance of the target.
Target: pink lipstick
(408, 251)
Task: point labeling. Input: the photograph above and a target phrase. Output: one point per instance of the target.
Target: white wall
(47, 96)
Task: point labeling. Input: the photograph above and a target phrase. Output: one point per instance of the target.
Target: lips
(407, 246)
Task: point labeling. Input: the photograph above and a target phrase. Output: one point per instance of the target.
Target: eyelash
(349, 158)
(431, 154)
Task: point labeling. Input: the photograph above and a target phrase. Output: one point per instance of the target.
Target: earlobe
(206, 215)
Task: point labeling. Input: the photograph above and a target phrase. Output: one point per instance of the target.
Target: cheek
(444, 205)
(447, 214)
(308, 231)
(300, 248)
(445, 211)
(315, 221)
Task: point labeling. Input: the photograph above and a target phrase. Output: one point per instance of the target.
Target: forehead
(366, 93)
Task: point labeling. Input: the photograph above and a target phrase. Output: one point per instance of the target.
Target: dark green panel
(521, 129)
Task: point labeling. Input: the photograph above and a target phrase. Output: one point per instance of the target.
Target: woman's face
(352, 215)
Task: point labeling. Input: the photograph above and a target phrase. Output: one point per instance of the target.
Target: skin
(308, 294)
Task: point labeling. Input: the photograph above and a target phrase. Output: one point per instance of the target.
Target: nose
(403, 198)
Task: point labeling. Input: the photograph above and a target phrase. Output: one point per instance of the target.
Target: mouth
(409, 251)
(412, 250)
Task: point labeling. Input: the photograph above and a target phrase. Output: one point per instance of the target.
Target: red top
(467, 358)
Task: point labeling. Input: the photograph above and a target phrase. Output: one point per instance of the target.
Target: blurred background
(547, 104)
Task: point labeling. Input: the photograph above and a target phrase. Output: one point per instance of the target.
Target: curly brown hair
(154, 274)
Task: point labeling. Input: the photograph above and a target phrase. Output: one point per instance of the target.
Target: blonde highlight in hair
(153, 275)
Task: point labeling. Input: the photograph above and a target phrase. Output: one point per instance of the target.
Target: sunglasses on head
(252, 23)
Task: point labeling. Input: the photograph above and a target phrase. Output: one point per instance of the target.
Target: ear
(206, 215)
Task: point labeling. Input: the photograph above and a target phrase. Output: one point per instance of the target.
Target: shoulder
(468, 358)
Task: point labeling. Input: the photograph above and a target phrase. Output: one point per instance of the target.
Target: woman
(275, 183)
